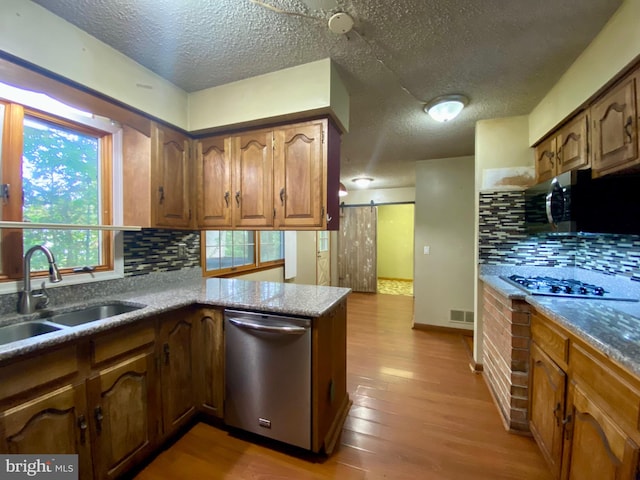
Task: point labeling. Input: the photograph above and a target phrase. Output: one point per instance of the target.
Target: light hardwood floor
(418, 413)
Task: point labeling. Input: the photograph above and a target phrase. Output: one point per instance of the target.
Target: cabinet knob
(627, 128)
(82, 425)
(97, 414)
(166, 353)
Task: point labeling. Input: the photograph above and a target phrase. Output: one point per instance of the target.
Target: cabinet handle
(226, 198)
(282, 196)
(566, 422)
(97, 414)
(82, 425)
(627, 128)
(559, 155)
(161, 192)
(166, 353)
(238, 198)
(557, 413)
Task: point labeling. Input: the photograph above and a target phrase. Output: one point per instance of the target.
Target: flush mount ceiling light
(362, 181)
(445, 108)
(343, 190)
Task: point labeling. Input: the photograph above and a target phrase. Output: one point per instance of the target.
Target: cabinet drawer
(23, 375)
(112, 345)
(620, 394)
(553, 341)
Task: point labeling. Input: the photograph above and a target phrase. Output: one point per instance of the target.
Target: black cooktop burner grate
(540, 285)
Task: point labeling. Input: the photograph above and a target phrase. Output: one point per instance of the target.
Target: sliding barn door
(357, 240)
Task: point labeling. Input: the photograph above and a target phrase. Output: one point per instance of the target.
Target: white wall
(500, 143)
(306, 258)
(615, 47)
(444, 279)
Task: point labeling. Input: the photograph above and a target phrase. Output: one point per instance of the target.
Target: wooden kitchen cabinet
(595, 447)
(176, 342)
(209, 363)
(122, 411)
(547, 405)
(281, 178)
(170, 160)
(584, 409)
(156, 177)
(213, 183)
(55, 422)
(615, 128)
(565, 150)
(299, 175)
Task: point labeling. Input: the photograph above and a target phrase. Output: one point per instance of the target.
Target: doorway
(395, 249)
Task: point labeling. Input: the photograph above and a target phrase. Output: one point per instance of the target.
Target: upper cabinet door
(546, 160)
(571, 145)
(213, 179)
(300, 173)
(170, 162)
(615, 129)
(252, 157)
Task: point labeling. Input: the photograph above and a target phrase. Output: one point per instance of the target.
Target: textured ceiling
(502, 54)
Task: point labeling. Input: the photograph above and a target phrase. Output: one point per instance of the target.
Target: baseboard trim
(476, 367)
(440, 328)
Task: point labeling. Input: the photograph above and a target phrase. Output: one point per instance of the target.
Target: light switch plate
(427, 249)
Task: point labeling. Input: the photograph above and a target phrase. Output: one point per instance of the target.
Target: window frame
(243, 269)
(12, 250)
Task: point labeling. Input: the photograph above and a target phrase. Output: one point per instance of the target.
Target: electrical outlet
(182, 251)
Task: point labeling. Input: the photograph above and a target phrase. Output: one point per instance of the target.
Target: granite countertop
(269, 297)
(611, 326)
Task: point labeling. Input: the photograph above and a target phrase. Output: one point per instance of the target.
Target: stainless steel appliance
(574, 202)
(562, 287)
(268, 375)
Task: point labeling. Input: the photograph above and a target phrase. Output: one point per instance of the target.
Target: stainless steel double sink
(57, 321)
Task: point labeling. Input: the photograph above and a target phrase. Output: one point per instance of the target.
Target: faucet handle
(43, 297)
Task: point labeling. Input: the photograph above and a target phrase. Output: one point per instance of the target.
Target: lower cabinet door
(546, 410)
(122, 408)
(209, 362)
(53, 423)
(596, 447)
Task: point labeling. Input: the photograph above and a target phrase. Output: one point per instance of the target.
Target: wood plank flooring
(418, 413)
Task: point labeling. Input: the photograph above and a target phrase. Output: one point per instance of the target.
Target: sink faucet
(26, 303)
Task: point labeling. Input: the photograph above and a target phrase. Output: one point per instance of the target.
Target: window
(230, 251)
(58, 170)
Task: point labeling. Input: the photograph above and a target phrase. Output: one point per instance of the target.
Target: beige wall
(380, 195)
(444, 279)
(32, 33)
(310, 89)
(306, 258)
(271, 275)
(395, 241)
(616, 46)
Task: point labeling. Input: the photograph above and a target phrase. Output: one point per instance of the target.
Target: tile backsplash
(152, 250)
(503, 240)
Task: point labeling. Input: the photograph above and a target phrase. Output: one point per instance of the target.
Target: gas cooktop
(562, 288)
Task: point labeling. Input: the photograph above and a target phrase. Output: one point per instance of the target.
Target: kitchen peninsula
(115, 390)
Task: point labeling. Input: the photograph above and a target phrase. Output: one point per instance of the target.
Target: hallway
(418, 413)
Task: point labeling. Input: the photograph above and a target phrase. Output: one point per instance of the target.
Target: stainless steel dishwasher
(268, 375)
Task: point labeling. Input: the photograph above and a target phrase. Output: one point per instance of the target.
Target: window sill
(66, 226)
(67, 280)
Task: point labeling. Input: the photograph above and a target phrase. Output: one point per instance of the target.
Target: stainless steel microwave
(574, 202)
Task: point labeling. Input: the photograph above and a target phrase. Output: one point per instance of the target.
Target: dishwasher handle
(284, 329)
